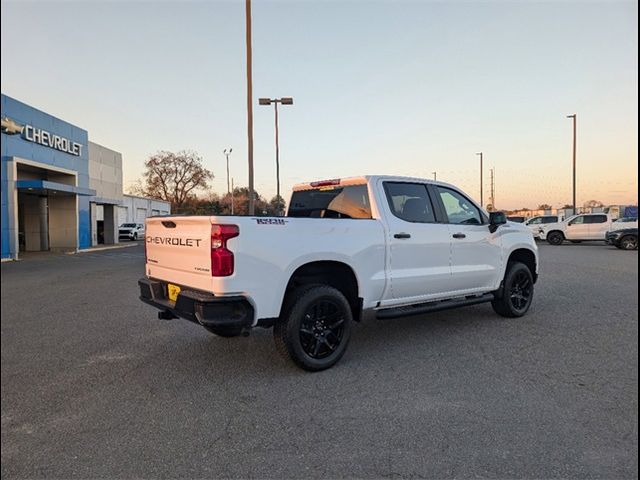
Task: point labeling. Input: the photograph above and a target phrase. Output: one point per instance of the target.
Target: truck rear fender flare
(337, 274)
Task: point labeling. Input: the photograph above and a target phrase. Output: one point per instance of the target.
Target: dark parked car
(626, 239)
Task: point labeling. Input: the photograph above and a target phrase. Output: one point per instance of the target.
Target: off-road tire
(297, 315)
(518, 282)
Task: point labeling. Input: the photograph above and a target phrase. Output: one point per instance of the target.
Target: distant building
(60, 191)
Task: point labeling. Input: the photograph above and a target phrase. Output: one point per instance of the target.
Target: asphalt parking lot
(94, 386)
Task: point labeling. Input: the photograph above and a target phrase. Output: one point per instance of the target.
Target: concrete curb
(100, 249)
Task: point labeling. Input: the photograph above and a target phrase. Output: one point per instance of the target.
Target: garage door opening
(47, 210)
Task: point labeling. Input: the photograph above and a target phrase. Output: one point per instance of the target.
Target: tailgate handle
(168, 224)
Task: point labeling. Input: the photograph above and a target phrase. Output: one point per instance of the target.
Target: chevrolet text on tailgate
(348, 249)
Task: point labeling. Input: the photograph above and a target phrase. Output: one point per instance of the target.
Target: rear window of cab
(350, 201)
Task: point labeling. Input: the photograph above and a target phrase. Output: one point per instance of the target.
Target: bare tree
(173, 177)
(544, 206)
(593, 203)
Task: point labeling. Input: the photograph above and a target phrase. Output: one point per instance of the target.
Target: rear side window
(595, 219)
(331, 202)
(410, 202)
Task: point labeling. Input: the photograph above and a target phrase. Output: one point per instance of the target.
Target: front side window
(577, 221)
(535, 221)
(409, 202)
(351, 201)
(459, 208)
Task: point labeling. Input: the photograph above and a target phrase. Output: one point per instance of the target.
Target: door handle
(402, 235)
(459, 235)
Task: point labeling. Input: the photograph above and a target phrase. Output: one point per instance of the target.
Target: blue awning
(45, 186)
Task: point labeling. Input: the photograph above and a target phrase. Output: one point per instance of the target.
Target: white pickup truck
(576, 229)
(349, 249)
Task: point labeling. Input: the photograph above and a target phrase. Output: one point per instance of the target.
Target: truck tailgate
(178, 249)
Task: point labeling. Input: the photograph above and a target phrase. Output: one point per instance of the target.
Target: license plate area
(173, 291)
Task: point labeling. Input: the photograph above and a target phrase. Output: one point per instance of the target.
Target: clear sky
(388, 87)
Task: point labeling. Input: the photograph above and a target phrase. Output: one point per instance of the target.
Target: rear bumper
(196, 306)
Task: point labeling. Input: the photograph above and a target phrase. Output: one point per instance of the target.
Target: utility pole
(249, 106)
(435, 176)
(574, 161)
(481, 195)
(493, 189)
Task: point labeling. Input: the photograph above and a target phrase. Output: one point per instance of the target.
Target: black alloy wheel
(322, 328)
(521, 291)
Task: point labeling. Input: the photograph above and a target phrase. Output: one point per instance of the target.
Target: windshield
(128, 225)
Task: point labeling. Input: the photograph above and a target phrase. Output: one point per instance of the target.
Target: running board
(428, 307)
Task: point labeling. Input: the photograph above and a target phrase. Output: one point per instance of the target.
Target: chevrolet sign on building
(43, 137)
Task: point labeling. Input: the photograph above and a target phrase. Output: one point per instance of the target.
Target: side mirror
(495, 220)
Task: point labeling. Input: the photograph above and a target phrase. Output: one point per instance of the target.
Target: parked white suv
(371, 246)
(131, 231)
(578, 228)
(534, 223)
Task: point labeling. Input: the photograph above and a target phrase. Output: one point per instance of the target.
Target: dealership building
(60, 191)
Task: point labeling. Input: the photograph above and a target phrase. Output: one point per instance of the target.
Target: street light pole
(574, 161)
(227, 153)
(481, 195)
(434, 176)
(249, 106)
(275, 102)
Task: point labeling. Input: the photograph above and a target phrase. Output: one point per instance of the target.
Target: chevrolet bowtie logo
(10, 127)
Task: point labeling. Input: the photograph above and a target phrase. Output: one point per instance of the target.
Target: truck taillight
(221, 256)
